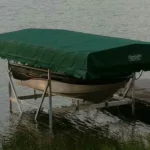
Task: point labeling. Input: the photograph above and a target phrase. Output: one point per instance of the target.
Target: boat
(89, 90)
(82, 65)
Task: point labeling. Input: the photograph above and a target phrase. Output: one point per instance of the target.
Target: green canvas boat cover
(75, 54)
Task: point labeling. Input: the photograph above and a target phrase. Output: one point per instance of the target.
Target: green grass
(28, 138)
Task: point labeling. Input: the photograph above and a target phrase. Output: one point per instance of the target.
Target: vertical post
(128, 88)
(50, 102)
(35, 95)
(77, 106)
(10, 91)
(42, 100)
(133, 95)
(10, 96)
(14, 92)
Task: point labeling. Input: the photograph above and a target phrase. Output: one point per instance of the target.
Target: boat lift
(41, 51)
(115, 101)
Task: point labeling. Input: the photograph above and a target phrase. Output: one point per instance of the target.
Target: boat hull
(92, 93)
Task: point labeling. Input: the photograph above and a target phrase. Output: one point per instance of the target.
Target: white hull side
(86, 92)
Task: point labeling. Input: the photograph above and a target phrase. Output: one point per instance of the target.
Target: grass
(29, 138)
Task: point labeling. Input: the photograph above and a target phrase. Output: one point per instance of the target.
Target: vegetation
(28, 138)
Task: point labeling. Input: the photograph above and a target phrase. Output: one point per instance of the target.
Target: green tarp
(75, 54)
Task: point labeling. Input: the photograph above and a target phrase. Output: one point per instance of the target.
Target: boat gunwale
(57, 77)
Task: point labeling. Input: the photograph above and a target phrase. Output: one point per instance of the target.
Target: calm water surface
(120, 18)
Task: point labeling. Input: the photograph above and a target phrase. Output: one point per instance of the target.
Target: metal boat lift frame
(119, 100)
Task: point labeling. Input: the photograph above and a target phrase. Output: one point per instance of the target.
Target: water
(120, 18)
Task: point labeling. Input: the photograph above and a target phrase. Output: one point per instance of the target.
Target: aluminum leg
(14, 91)
(10, 91)
(133, 95)
(10, 96)
(77, 106)
(128, 88)
(42, 100)
(50, 102)
(35, 95)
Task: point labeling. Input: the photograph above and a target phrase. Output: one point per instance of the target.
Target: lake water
(119, 18)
